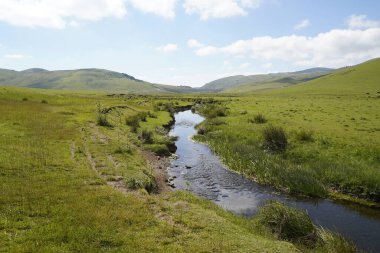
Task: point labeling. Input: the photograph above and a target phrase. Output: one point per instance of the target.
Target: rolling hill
(359, 79)
(263, 81)
(84, 79)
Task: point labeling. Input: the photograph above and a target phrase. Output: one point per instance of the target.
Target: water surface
(200, 171)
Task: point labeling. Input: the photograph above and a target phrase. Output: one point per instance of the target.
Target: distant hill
(83, 79)
(360, 79)
(263, 81)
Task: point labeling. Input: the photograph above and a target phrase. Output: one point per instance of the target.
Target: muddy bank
(159, 167)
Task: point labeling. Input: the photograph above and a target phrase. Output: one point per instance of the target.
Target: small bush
(146, 136)
(305, 136)
(275, 138)
(287, 223)
(258, 119)
(102, 120)
(25, 99)
(43, 101)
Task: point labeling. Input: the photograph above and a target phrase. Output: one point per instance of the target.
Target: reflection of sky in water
(209, 178)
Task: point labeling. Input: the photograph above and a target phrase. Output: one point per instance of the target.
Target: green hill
(228, 84)
(273, 84)
(83, 79)
(360, 79)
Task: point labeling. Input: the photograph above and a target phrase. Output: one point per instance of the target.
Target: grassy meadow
(73, 179)
(332, 132)
(57, 169)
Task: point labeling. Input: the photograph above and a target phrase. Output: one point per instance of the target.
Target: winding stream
(200, 171)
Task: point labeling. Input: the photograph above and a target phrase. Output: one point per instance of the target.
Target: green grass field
(70, 185)
(332, 124)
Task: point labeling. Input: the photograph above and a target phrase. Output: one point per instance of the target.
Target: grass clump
(330, 242)
(133, 122)
(305, 136)
(102, 120)
(159, 149)
(293, 225)
(202, 131)
(287, 223)
(258, 119)
(149, 184)
(146, 136)
(213, 111)
(275, 138)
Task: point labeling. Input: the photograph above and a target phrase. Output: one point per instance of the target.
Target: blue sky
(188, 42)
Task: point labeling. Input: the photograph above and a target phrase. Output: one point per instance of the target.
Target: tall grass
(275, 138)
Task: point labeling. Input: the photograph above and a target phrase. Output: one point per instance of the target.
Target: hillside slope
(82, 79)
(360, 79)
(228, 83)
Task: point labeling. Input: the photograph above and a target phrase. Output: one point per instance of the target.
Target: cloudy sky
(188, 42)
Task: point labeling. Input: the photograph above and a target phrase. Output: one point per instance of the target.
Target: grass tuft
(305, 136)
(275, 138)
(258, 119)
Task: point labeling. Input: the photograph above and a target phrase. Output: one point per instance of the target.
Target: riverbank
(324, 153)
(200, 171)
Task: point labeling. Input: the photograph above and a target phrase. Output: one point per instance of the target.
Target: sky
(188, 42)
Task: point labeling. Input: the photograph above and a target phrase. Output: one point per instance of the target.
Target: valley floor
(73, 178)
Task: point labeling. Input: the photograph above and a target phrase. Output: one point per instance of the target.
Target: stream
(200, 171)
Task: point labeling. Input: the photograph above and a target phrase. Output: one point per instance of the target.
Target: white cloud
(303, 24)
(335, 48)
(58, 14)
(15, 56)
(267, 65)
(245, 65)
(163, 8)
(219, 8)
(361, 22)
(192, 43)
(168, 48)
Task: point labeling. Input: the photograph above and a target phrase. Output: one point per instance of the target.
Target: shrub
(275, 138)
(102, 120)
(287, 223)
(43, 101)
(305, 136)
(146, 136)
(258, 119)
(25, 99)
